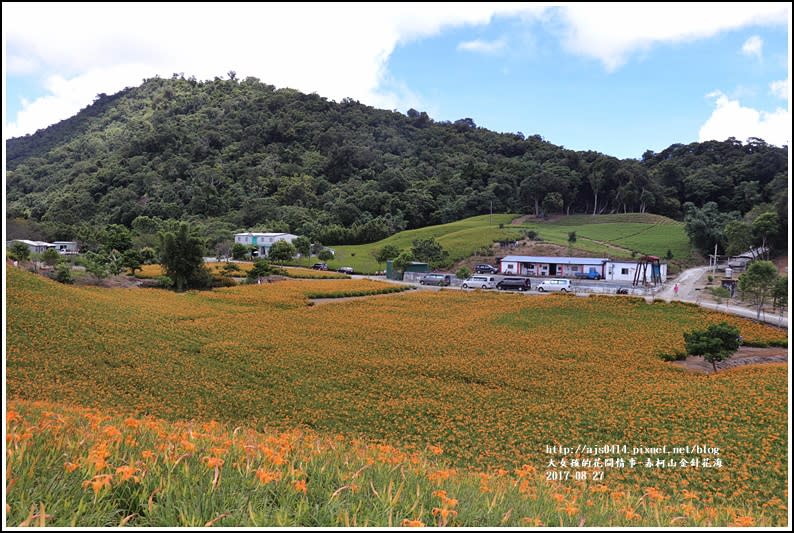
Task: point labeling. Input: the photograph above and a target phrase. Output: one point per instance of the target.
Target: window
(531, 266)
(574, 269)
(624, 271)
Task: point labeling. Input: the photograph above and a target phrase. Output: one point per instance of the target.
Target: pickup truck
(587, 275)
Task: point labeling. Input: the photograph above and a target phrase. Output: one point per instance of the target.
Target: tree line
(227, 155)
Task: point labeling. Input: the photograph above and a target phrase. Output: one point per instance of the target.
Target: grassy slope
(506, 376)
(461, 239)
(643, 233)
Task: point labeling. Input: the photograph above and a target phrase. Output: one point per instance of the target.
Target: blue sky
(608, 77)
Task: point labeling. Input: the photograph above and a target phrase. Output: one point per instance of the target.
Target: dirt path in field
(321, 301)
(746, 355)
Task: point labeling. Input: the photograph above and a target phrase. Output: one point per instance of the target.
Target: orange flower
(299, 485)
(70, 467)
(435, 450)
(532, 522)
(265, 476)
(127, 473)
(97, 483)
(412, 523)
(629, 513)
(743, 521)
(213, 462)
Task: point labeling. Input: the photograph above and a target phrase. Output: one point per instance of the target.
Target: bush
(164, 282)
(325, 255)
(63, 273)
(463, 273)
(675, 355)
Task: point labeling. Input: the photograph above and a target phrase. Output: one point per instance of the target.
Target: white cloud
(780, 89)
(336, 50)
(730, 119)
(753, 46)
(483, 47)
(610, 33)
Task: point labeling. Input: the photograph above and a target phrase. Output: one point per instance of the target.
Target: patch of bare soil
(746, 355)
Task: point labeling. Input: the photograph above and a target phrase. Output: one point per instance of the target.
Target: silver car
(480, 282)
(558, 285)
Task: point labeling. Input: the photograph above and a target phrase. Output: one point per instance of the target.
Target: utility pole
(490, 217)
(714, 269)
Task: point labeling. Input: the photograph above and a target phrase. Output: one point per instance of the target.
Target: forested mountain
(236, 154)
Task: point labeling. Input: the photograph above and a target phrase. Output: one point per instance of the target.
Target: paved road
(687, 292)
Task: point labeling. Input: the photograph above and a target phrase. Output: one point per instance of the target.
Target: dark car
(436, 279)
(320, 266)
(514, 284)
(587, 275)
(345, 270)
(485, 269)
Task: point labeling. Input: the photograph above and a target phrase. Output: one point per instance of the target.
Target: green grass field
(605, 235)
(461, 239)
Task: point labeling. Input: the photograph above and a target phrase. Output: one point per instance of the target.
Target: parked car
(320, 266)
(517, 284)
(480, 282)
(588, 275)
(436, 279)
(559, 285)
(485, 269)
(345, 270)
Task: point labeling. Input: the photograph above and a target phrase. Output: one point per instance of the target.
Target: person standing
(675, 290)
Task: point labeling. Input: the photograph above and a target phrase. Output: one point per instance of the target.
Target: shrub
(463, 273)
(63, 273)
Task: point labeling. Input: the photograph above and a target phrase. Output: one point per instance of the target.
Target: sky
(616, 78)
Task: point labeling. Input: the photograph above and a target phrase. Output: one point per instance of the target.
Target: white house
(626, 270)
(262, 241)
(36, 247)
(570, 267)
(543, 266)
(66, 247)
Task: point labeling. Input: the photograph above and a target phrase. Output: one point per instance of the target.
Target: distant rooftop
(556, 260)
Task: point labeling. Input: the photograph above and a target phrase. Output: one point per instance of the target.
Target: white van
(480, 282)
(561, 285)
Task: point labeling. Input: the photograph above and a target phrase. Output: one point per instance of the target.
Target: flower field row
(69, 466)
(491, 378)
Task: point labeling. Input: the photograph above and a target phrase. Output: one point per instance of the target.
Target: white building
(572, 267)
(626, 270)
(66, 247)
(543, 266)
(36, 247)
(262, 241)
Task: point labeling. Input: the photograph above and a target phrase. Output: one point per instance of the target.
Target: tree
(95, 264)
(705, 227)
(117, 237)
(260, 269)
(463, 273)
(132, 259)
(148, 255)
(19, 251)
(758, 283)
(716, 343)
(430, 251)
(389, 251)
(325, 255)
(780, 293)
(552, 203)
(765, 228)
(50, 257)
(281, 251)
(223, 249)
(240, 251)
(739, 236)
(63, 273)
(303, 246)
(402, 260)
(182, 258)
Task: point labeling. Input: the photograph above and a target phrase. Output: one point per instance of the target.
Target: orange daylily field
(490, 379)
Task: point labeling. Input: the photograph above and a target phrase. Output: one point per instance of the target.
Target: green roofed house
(262, 241)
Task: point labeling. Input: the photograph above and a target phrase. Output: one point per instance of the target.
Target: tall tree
(758, 283)
(182, 258)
